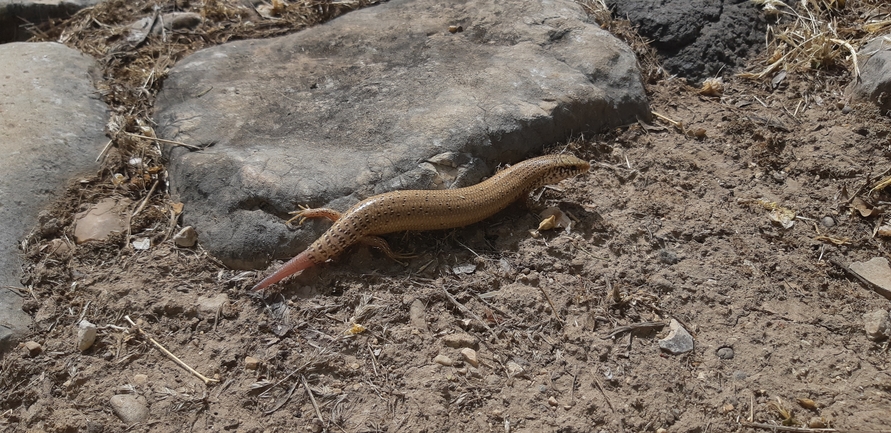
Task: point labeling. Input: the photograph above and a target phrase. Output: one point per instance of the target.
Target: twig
(282, 401)
(145, 200)
(104, 150)
(177, 143)
(775, 427)
(467, 311)
(610, 404)
(553, 308)
(634, 327)
(312, 399)
(206, 380)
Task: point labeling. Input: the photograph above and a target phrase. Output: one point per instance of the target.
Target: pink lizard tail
(295, 265)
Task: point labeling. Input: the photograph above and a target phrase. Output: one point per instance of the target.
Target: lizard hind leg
(306, 213)
(381, 244)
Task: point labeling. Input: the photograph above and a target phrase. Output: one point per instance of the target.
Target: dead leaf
(863, 207)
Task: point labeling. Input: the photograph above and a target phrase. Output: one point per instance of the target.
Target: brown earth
(667, 226)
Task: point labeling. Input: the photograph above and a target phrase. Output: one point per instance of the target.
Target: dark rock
(698, 39)
(15, 13)
(678, 340)
(874, 85)
(353, 107)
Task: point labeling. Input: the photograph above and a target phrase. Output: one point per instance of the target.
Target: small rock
(467, 268)
(86, 335)
(443, 360)
(514, 369)
(211, 305)
(552, 401)
(417, 317)
(816, 422)
(60, 248)
(725, 352)
(142, 244)
(33, 348)
(130, 408)
(877, 325)
(101, 220)
(828, 221)
(727, 408)
(140, 379)
(668, 257)
(876, 271)
(470, 356)
(678, 340)
(251, 363)
(186, 238)
(460, 340)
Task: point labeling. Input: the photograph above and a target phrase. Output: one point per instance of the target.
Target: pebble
(210, 305)
(86, 335)
(514, 369)
(828, 221)
(251, 363)
(33, 348)
(129, 408)
(470, 356)
(460, 340)
(443, 360)
(416, 316)
(552, 401)
(101, 220)
(140, 379)
(186, 238)
(877, 324)
(725, 352)
(678, 340)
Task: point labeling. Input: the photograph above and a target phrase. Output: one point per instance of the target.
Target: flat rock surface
(51, 129)
(350, 108)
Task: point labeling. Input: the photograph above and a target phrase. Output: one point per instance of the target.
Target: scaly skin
(425, 210)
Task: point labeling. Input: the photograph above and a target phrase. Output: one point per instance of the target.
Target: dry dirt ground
(667, 226)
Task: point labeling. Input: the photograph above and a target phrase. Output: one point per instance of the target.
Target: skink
(425, 210)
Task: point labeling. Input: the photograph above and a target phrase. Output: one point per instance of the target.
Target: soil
(667, 225)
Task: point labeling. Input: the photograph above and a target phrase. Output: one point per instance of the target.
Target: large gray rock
(51, 129)
(16, 14)
(352, 107)
(874, 83)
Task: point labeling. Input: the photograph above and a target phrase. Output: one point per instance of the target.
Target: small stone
(876, 271)
(727, 408)
(470, 356)
(186, 238)
(552, 401)
(460, 340)
(101, 220)
(211, 305)
(33, 348)
(140, 379)
(668, 257)
(467, 268)
(816, 422)
(725, 352)
(86, 335)
(251, 363)
(60, 248)
(678, 340)
(129, 408)
(827, 221)
(142, 244)
(877, 325)
(417, 317)
(443, 360)
(514, 369)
